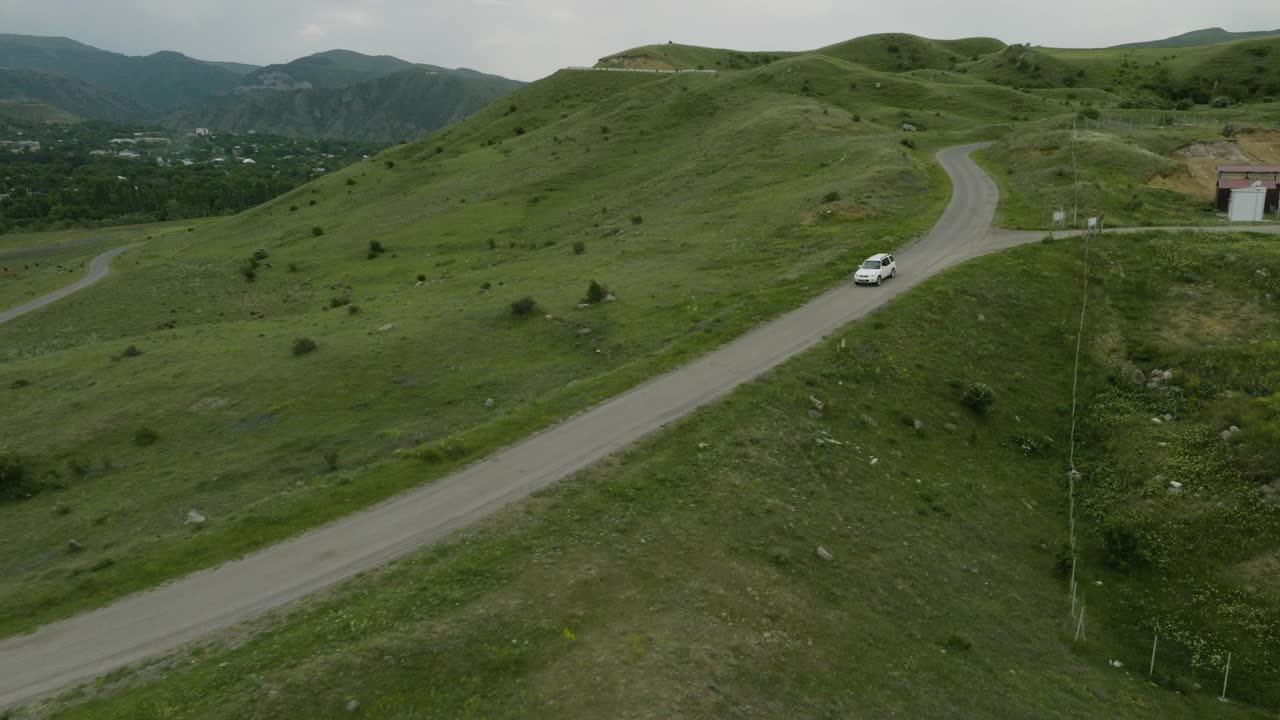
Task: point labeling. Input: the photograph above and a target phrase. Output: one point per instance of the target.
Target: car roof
(878, 256)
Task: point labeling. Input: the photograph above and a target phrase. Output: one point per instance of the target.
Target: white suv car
(875, 269)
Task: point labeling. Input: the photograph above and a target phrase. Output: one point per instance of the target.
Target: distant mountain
(330, 69)
(1208, 36)
(70, 95)
(162, 81)
(30, 111)
(399, 106)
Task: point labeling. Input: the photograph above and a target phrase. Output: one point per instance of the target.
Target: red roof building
(1243, 176)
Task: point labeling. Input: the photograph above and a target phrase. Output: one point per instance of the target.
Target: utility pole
(1075, 180)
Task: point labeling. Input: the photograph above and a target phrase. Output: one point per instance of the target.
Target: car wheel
(893, 272)
(878, 279)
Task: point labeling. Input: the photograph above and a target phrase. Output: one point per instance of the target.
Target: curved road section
(162, 619)
(99, 267)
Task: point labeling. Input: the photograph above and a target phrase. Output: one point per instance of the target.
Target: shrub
(353, 309)
(857, 118)
(519, 131)
(831, 197)
(14, 478)
(338, 301)
(493, 244)
(145, 436)
(259, 255)
(351, 181)
(132, 351)
(331, 460)
(1220, 102)
(1228, 130)
(1184, 104)
(293, 267)
(304, 345)
(249, 269)
(1091, 113)
(524, 307)
(1121, 548)
(596, 293)
(604, 129)
(20, 383)
(375, 248)
(978, 396)
(293, 208)
(907, 142)
(310, 204)
(422, 278)
(316, 231)
(486, 285)
(390, 164)
(1268, 99)
(579, 247)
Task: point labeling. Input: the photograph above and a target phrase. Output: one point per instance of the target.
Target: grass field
(706, 204)
(681, 578)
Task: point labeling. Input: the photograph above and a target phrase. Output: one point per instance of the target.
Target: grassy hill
(1208, 36)
(30, 111)
(681, 578)
(24, 88)
(706, 203)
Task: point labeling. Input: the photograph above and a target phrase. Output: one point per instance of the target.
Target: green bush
(831, 197)
(524, 307)
(14, 477)
(249, 269)
(351, 181)
(1185, 104)
(132, 351)
(316, 231)
(331, 460)
(908, 143)
(636, 220)
(260, 255)
(422, 278)
(20, 383)
(353, 309)
(1220, 102)
(145, 436)
(1090, 113)
(978, 396)
(304, 345)
(579, 247)
(596, 293)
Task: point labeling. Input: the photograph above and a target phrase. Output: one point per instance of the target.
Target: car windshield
(871, 265)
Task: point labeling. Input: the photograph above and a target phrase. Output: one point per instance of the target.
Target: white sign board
(1059, 216)
(1093, 223)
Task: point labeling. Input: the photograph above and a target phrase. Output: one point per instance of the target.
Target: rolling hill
(160, 81)
(391, 108)
(331, 69)
(1208, 36)
(68, 95)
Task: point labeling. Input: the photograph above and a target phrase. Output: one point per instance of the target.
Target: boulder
(74, 547)
(194, 517)
(824, 554)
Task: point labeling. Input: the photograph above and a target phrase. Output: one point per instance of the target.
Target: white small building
(1248, 204)
(201, 132)
(248, 161)
(128, 155)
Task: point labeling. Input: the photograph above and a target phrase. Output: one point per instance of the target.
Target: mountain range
(1207, 36)
(335, 94)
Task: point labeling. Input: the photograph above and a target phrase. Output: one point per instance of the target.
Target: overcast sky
(528, 39)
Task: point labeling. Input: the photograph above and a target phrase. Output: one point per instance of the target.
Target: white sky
(528, 39)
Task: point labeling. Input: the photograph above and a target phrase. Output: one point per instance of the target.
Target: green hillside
(30, 111)
(705, 202)
(24, 87)
(160, 81)
(681, 578)
(397, 107)
(673, 56)
(1208, 36)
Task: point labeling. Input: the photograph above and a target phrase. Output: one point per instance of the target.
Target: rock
(1225, 434)
(194, 517)
(584, 331)
(950, 427)
(386, 327)
(74, 547)
(1261, 273)
(868, 420)
(1156, 420)
(1116, 663)
(549, 316)
(824, 554)
(1233, 429)
(419, 284)
(703, 446)
(609, 298)
(1168, 417)
(908, 127)
(982, 318)
(353, 705)
(816, 403)
(918, 424)
(1139, 377)
(875, 460)
(488, 402)
(583, 306)
(1167, 375)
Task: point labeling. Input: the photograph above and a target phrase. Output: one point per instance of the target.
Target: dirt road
(162, 619)
(99, 267)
